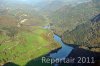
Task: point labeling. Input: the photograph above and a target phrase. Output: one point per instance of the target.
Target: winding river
(61, 53)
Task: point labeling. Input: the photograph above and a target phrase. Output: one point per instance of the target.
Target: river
(60, 53)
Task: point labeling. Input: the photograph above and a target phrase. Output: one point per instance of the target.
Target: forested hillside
(68, 17)
(85, 35)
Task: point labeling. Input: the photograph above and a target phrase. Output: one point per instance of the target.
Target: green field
(26, 46)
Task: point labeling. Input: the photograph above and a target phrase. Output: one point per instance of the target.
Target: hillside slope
(20, 11)
(68, 17)
(87, 35)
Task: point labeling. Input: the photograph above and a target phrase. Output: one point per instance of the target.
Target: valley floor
(26, 46)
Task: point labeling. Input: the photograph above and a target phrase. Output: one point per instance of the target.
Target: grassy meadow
(27, 45)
